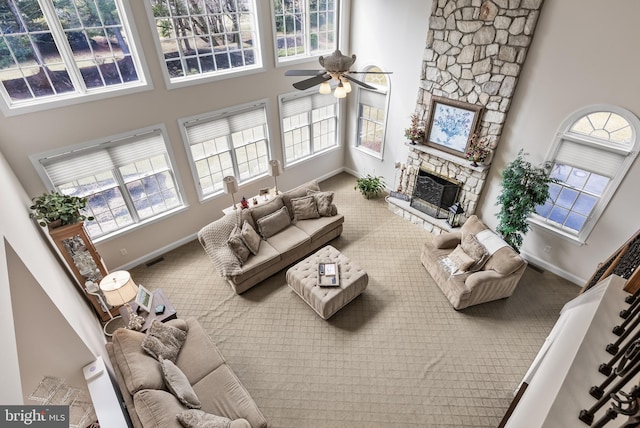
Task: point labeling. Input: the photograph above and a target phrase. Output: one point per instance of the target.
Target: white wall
(391, 35)
(32, 279)
(583, 53)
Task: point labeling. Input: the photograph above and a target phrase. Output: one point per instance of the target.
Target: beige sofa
(149, 402)
(472, 265)
(298, 233)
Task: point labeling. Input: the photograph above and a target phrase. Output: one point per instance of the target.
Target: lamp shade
(230, 184)
(274, 167)
(118, 288)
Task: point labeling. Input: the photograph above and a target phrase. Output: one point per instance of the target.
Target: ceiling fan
(335, 66)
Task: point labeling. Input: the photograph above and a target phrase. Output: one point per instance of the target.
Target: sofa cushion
(505, 261)
(304, 208)
(178, 384)
(237, 246)
(157, 408)
(324, 201)
(447, 240)
(163, 340)
(317, 227)
(298, 192)
(199, 355)
(139, 369)
(259, 211)
(273, 223)
(198, 419)
(222, 393)
(266, 257)
(250, 238)
(288, 240)
(476, 251)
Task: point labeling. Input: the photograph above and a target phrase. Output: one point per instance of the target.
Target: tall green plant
(524, 187)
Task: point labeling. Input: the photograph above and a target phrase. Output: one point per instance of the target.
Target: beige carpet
(397, 356)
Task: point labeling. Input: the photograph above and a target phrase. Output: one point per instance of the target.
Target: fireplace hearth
(433, 194)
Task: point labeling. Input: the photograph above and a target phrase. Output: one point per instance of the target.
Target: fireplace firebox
(433, 194)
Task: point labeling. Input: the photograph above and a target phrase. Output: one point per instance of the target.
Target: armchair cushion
(505, 261)
(447, 240)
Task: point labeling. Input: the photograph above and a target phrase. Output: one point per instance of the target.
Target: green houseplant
(524, 186)
(370, 186)
(56, 209)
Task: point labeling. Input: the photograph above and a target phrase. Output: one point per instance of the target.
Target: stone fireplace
(475, 52)
(433, 194)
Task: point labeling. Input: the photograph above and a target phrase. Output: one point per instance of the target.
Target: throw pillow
(476, 251)
(178, 384)
(164, 341)
(458, 261)
(262, 210)
(200, 419)
(238, 246)
(250, 238)
(324, 201)
(274, 223)
(304, 208)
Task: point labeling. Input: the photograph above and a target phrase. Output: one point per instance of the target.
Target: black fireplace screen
(433, 195)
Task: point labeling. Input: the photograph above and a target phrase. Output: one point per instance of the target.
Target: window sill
(312, 157)
(368, 152)
(119, 232)
(538, 224)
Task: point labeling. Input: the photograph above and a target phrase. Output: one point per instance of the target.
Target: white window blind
(207, 129)
(589, 158)
(78, 164)
(297, 105)
(373, 98)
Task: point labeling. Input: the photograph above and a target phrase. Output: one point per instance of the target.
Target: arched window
(593, 150)
(372, 112)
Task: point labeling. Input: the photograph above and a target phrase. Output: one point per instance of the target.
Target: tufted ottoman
(326, 301)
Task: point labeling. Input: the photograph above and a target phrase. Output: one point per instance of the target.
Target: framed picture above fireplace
(451, 124)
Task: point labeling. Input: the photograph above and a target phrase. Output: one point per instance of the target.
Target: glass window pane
(558, 214)
(575, 221)
(596, 184)
(567, 197)
(584, 204)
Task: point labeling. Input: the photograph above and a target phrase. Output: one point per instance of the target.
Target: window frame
(201, 78)
(143, 83)
(307, 56)
(209, 116)
(628, 156)
(382, 91)
(49, 185)
(283, 98)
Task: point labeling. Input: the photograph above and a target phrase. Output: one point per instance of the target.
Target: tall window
(590, 157)
(127, 180)
(309, 124)
(227, 143)
(63, 48)
(304, 28)
(372, 113)
(203, 38)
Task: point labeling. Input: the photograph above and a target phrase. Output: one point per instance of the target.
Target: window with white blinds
(233, 142)
(589, 159)
(372, 113)
(309, 125)
(126, 180)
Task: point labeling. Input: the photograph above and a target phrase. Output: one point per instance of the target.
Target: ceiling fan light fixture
(325, 88)
(340, 91)
(346, 84)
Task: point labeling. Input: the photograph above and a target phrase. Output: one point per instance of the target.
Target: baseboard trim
(553, 269)
(157, 253)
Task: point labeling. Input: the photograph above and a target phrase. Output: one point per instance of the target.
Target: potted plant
(478, 150)
(415, 132)
(55, 209)
(370, 186)
(524, 187)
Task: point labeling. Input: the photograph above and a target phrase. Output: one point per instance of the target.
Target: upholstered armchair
(472, 265)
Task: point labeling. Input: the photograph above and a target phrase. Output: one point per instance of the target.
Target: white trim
(386, 92)
(157, 253)
(553, 269)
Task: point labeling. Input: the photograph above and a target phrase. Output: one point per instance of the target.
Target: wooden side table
(159, 298)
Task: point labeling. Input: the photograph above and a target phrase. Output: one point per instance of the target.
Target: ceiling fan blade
(303, 72)
(308, 83)
(356, 81)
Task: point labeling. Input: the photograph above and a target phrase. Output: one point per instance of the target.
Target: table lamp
(119, 289)
(230, 187)
(274, 171)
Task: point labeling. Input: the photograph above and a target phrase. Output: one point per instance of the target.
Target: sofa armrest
(447, 240)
